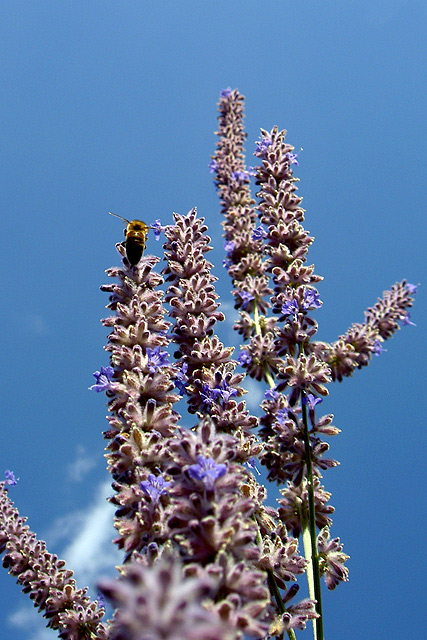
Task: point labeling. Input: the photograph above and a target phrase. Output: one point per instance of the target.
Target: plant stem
(309, 533)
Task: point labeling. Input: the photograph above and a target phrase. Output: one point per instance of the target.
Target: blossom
(259, 233)
(412, 288)
(103, 379)
(181, 379)
(311, 400)
(10, 478)
(213, 166)
(293, 158)
(158, 228)
(290, 309)
(331, 559)
(406, 320)
(271, 394)
(311, 300)
(378, 348)
(244, 357)
(282, 415)
(157, 359)
(155, 486)
(207, 471)
(229, 246)
(246, 298)
(240, 176)
(262, 145)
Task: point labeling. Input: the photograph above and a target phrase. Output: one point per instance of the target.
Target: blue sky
(111, 106)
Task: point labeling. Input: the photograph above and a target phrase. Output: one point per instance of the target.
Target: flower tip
(11, 480)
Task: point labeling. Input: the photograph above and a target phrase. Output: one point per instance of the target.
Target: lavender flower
(159, 601)
(259, 233)
(207, 471)
(103, 379)
(10, 478)
(46, 579)
(205, 557)
(158, 229)
(155, 486)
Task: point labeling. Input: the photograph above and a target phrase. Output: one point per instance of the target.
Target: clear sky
(111, 106)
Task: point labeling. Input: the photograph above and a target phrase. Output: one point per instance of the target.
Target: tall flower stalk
(204, 556)
(280, 349)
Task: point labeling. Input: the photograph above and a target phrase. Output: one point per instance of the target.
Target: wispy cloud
(80, 467)
(88, 551)
(255, 394)
(35, 324)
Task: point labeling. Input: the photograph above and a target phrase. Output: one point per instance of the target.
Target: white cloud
(88, 551)
(255, 394)
(91, 551)
(35, 323)
(81, 466)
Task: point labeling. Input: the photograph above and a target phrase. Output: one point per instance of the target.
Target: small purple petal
(103, 379)
(10, 478)
(406, 321)
(207, 471)
(311, 400)
(259, 233)
(293, 158)
(154, 487)
(157, 359)
(213, 166)
(244, 357)
(271, 394)
(158, 228)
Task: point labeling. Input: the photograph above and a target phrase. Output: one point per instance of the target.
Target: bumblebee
(136, 237)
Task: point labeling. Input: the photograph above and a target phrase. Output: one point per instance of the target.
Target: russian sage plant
(204, 556)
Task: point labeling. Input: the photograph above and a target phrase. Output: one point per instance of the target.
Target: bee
(136, 237)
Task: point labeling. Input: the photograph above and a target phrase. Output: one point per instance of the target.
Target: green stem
(275, 591)
(309, 533)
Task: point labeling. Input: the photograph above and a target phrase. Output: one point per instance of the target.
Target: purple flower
(240, 176)
(259, 233)
(262, 144)
(311, 300)
(209, 395)
(10, 478)
(158, 228)
(103, 379)
(101, 600)
(311, 400)
(157, 359)
(225, 93)
(406, 320)
(181, 379)
(154, 487)
(226, 392)
(282, 415)
(377, 348)
(207, 471)
(271, 394)
(252, 465)
(229, 246)
(213, 166)
(222, 391)
(244, 357)
(412, 288)
(290, 308)
(246, 298)
(292, 157)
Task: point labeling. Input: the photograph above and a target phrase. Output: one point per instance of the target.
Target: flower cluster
(45, 578)
(204, 556)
